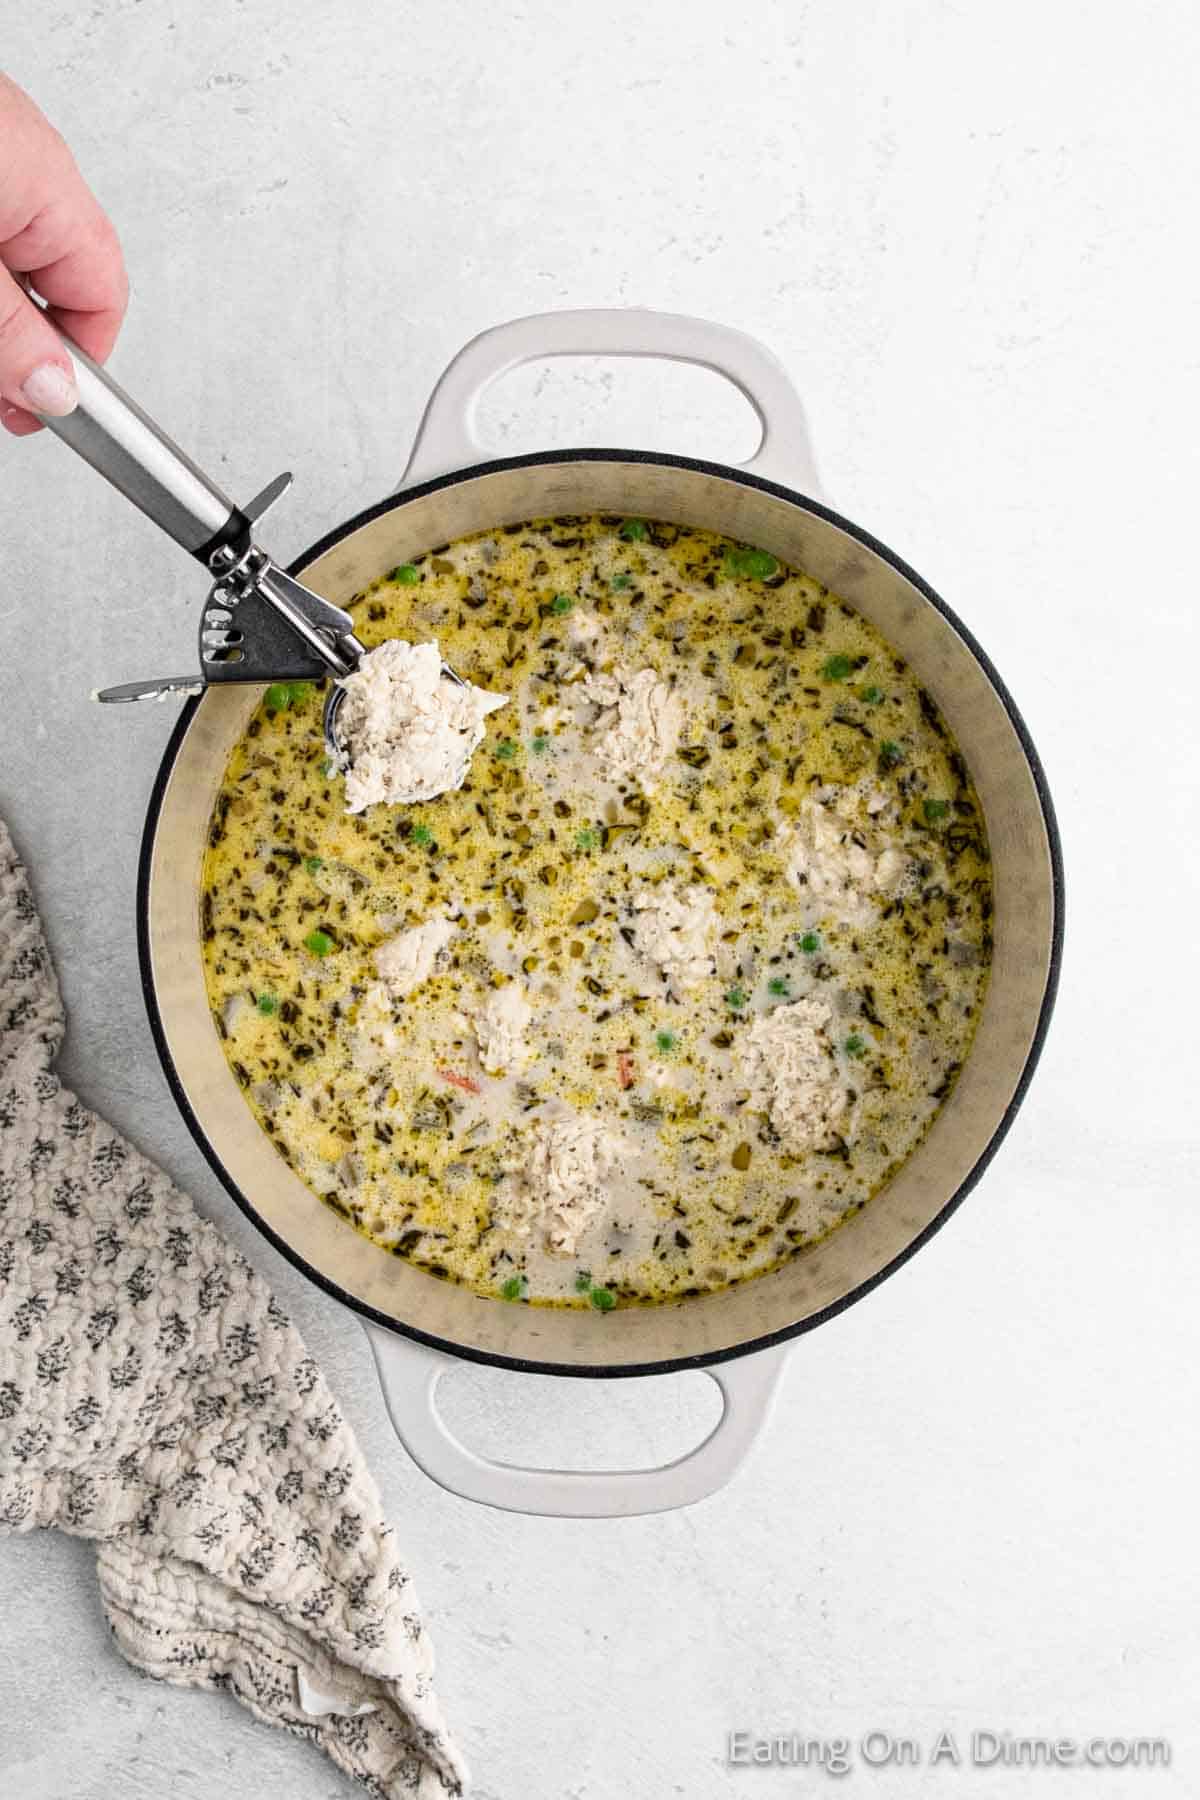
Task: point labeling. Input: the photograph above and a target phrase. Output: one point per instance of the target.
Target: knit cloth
(155, 1398)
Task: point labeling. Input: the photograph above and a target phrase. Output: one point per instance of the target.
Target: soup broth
(711, 911)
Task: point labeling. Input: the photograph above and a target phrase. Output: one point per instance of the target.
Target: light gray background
(966, 232)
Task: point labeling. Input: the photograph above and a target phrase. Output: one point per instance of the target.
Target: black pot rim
(670, 1365)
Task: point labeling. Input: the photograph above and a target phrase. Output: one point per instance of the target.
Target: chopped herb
(421, 834)
(539, 745)
(319, 942)
(603, 1299)
(873, 696)
(836, 668)
(665, 1042)
(585, 839)
(759, 565)
(267, 1004)
(810, 942)
(561, 603)
(506, 749)
(736, 998)
(619, 583)
(277, 696)
(633, 531)
(583, 1281)
(936, 809)
(890, 754)
(407, 574)
(513, 1288)
(313, 863)
(854, 1045)
(779, 987)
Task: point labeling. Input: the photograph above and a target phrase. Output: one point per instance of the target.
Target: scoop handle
(409, 1374)
(112, 433)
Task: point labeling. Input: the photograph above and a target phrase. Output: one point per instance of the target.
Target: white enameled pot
(418, 1324)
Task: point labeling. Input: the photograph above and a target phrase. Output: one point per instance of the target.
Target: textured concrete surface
(965, 230)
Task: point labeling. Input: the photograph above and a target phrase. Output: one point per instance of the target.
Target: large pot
(417, 1322)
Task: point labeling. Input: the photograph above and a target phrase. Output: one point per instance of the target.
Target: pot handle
(409, 1374)
(446, 439)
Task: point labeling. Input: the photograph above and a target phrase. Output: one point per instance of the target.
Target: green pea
(854, 1046)
(267, 1004)
(561, 603)
(872, 696)
(603, 1299)
(539, 745)
(319, 942)
(665, 1042)
(810, 942)
(935, 809)
(313, 863)
(759, 565)
(736, 998)
(779, 987)
(837, 668)
(890, 754)
(421, 834)
(407, 574)
(506, 749)
(298, 692)
(585, 839)
(583, 1281)
(633, 531)
(619, 583)
(278, 696)
(513, 1288)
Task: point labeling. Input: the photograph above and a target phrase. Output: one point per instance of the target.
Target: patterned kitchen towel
(154, 1397)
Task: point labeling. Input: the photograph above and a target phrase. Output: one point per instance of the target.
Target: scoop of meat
(788, 1059)
(500, 1024)
(841, 863)
(676, 929)
(639, 726)
(560, 1189)
(408, 733)
(408, 959)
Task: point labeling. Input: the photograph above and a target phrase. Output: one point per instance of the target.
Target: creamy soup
(675, 980)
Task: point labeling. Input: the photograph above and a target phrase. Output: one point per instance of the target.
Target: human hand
(52, 230)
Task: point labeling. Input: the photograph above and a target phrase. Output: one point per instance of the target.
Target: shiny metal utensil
(258, 624)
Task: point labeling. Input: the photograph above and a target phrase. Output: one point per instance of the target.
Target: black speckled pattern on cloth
(154, 1398)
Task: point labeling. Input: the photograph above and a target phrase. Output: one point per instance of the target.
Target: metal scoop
(258, 624)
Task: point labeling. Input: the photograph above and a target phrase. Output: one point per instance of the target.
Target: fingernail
(50, 389)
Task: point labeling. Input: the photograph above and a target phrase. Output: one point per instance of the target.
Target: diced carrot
(460, 1081)
(625, 1069)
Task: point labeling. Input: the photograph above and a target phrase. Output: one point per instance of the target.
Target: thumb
(35, 369)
